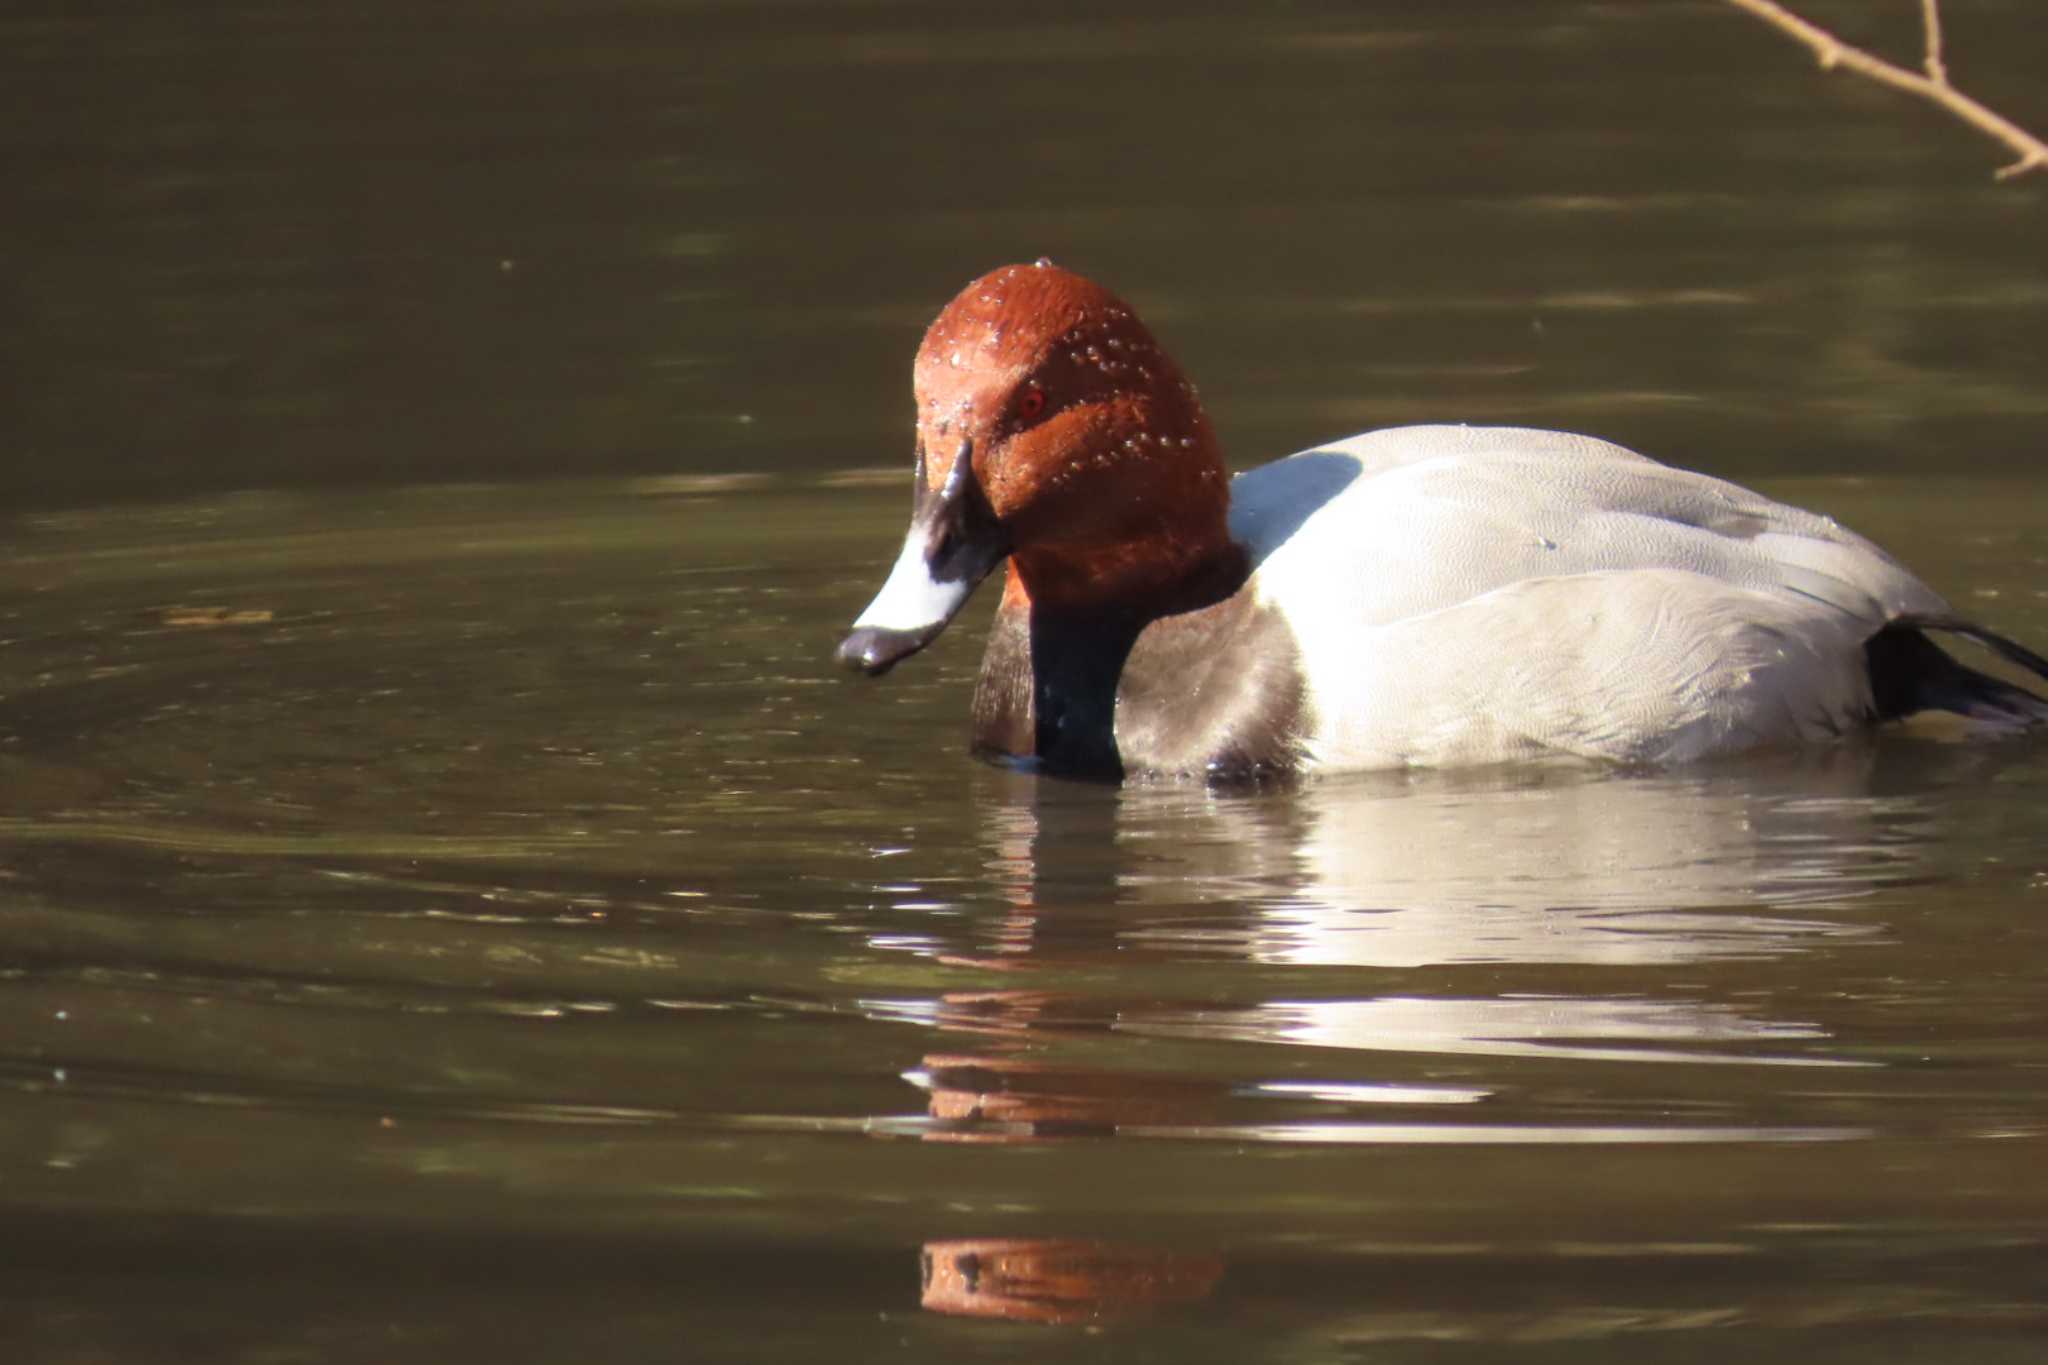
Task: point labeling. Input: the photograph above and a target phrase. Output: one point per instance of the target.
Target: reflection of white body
(1573, 868)
(1548, 1026)
(1646, 870)
(1428, 882)
(1570, 869)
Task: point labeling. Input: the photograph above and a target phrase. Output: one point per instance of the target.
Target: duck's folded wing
(1648, 666)
(1435, 516)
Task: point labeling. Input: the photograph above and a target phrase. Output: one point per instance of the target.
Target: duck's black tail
(1910, 673)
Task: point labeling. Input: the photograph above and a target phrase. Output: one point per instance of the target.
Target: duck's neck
(1055, 658)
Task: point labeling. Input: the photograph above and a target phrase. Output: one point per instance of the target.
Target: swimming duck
(1424, 596)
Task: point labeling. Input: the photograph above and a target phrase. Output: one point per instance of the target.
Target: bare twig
(1930, 22)
(1934, 86)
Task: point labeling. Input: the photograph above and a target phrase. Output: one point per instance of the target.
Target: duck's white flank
(1480, 595)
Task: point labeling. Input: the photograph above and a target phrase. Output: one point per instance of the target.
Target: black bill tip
(874, 650)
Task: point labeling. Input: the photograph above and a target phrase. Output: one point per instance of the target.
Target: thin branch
(1934, 86)
(1930, 22)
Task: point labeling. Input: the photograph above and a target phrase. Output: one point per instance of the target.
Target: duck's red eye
(1031, 403)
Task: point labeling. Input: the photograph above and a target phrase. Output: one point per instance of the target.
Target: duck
(1435, 596)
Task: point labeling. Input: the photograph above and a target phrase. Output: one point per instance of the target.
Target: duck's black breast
(1215, 691)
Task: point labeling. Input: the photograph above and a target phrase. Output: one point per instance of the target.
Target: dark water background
(449, 909)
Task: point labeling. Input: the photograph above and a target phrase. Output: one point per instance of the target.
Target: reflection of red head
(1042, 1099)
(1060, 1280)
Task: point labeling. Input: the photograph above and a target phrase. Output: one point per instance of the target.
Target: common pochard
(1419, 596)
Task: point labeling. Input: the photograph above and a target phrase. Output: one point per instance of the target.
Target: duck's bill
(954, 543)
(913, 606)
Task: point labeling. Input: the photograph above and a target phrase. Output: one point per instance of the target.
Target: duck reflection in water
(1435, 950)
(1468, 909)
